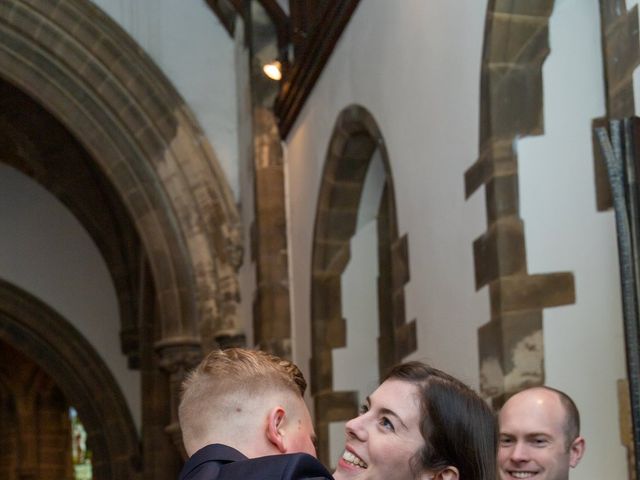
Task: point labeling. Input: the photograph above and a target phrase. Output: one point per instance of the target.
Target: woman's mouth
(353, 459)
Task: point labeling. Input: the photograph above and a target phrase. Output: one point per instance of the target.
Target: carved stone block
(511, 353)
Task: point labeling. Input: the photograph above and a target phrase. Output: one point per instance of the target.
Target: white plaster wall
(419, 76)
(584, 347)
(425, 99)
(45, 251)
(192, 48)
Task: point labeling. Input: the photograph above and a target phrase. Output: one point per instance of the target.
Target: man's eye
(540, 442)
(386, 423)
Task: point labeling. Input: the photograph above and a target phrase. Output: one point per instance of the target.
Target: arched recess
(355, 139)
(83, 68)
(85, 191)
(61, 351)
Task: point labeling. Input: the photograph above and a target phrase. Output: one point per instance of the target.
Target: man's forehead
(535, 398)
(532, 410)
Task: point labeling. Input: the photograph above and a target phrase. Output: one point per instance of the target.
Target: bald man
(539, 435)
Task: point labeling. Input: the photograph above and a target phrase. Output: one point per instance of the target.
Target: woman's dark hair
(458, 427)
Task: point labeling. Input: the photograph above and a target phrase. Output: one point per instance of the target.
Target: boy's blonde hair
(227, 388)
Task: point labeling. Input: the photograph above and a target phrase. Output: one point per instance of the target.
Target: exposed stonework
(271, 313)
(83, 189)
(89, 73)
(355, 139)
(510, 345)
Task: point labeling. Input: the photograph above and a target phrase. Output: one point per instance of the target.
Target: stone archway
(78, 64)
(61, 351)
(84, 69)
(355, 139)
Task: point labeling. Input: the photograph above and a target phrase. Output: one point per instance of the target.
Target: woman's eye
(386, 423)
(363, 409)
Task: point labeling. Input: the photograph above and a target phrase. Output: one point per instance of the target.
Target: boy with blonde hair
(240, 411)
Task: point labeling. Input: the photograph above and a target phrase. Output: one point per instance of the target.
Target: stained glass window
(80, 454)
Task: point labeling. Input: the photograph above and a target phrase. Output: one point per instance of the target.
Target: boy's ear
(275, 434)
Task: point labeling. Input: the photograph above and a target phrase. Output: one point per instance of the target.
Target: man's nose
(520, 452)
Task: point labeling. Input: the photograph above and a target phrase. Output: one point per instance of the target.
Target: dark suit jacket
(219, 462)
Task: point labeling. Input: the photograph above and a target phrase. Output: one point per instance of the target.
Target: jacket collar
(217, 452)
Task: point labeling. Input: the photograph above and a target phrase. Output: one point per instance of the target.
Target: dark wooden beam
(307, 66)
(226, 11)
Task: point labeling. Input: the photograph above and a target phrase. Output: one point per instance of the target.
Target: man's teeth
(522, 474)
(351, 458)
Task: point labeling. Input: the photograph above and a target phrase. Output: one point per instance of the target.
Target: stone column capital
(178, 355)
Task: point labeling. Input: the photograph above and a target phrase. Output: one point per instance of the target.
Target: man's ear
(447, 473)
(576, 450)
(275, 435)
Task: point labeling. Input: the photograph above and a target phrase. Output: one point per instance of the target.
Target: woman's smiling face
(383, 440)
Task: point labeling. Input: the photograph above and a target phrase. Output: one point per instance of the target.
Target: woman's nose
(356, 428)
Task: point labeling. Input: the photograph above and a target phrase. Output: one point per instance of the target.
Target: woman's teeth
(351, 458)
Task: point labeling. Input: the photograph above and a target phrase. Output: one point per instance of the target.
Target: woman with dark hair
(420, 423)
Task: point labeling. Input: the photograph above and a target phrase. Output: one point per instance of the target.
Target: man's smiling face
(533, 443)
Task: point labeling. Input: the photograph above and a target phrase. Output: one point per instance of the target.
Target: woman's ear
(447, 473)
(274, 432)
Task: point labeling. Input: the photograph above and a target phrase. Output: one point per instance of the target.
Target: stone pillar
(271, 310)
(178, 356)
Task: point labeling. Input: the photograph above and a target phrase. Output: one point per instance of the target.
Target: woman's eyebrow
(387, 411)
